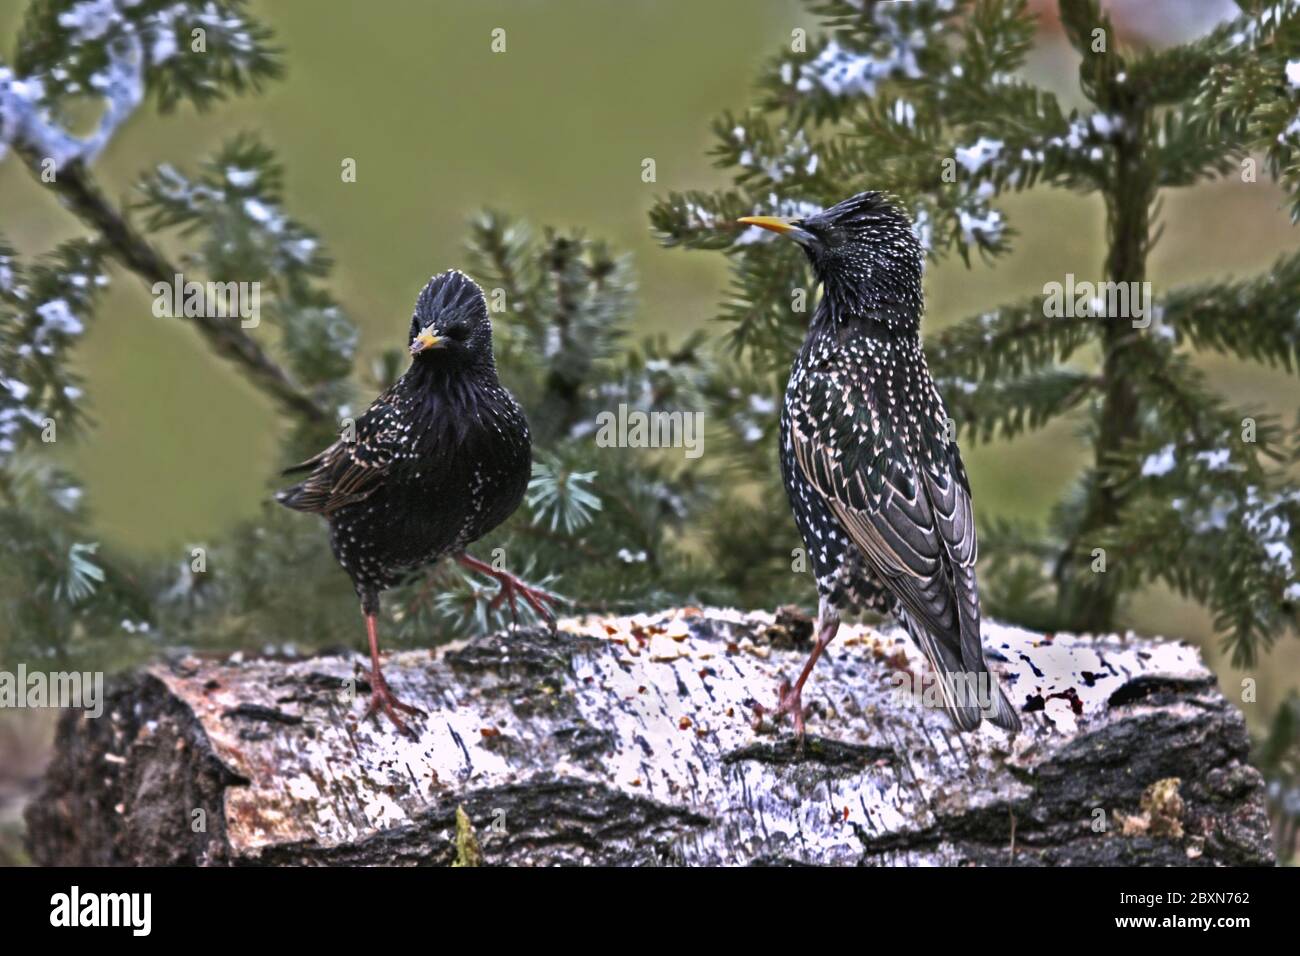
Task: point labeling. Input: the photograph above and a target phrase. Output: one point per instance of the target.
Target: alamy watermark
(213, 300)
(633, 428)
(969, 689)
(1114, 300)
(76, 689)
(133, 911)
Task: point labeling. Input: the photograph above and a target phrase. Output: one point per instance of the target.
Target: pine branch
(1085, 23)
(122, 52)
(44, 308)
(1010, 341)
(66, 44)
(1178, 406)
(76, 186)
(1007, 407)
(1247, 100)
(699, 220)
(1228, 547)
(1251, 319)
(1129, 199)
(1186, 152)
(1015, 583)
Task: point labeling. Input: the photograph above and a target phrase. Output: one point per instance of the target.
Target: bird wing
(914, 525)
(347, 471)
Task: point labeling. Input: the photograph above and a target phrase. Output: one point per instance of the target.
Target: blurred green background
(554, 130)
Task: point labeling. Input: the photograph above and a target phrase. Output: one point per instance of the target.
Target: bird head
(863, 252)
(450, 326)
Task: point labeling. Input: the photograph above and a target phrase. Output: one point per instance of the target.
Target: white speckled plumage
(878, 490)
(437, 461)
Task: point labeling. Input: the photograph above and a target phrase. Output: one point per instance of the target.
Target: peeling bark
(629, 741)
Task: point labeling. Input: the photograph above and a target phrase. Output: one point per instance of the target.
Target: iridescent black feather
(436, 462)
(878, 488)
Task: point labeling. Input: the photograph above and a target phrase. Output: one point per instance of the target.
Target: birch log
(630, 741)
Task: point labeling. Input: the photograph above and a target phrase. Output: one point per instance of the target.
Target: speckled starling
(879, 492)
(435, 463)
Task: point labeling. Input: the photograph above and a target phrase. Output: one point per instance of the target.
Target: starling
(435, 463)
(877, 485)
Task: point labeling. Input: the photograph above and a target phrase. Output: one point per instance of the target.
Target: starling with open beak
(874, 477)
(435, 463)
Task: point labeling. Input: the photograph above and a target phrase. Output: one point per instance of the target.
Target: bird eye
(458, 332)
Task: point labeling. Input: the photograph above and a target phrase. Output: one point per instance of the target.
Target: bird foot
(383, 699)
(789, 700)
(513, 588)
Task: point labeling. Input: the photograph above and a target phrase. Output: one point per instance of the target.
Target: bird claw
(513, 588)
(789, 700)
(383, 699)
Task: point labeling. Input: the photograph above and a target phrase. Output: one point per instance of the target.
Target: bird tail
(971, 692)
(1004, 714)
(948, 671)
(999, 710)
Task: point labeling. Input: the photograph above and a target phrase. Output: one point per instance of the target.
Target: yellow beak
(774, 223)
(425, 340)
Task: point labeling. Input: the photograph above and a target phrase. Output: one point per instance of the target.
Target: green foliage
(603, 526)
(60, 598)
(562, 498)
(57, 593)
(925, 100)
(1183, 489)
(43, 310)
(69, 43)
(1278, 756)
(232, 212)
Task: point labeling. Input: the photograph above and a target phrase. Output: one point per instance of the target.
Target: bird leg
(513, 588)
(381, 696)
(790, 698)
